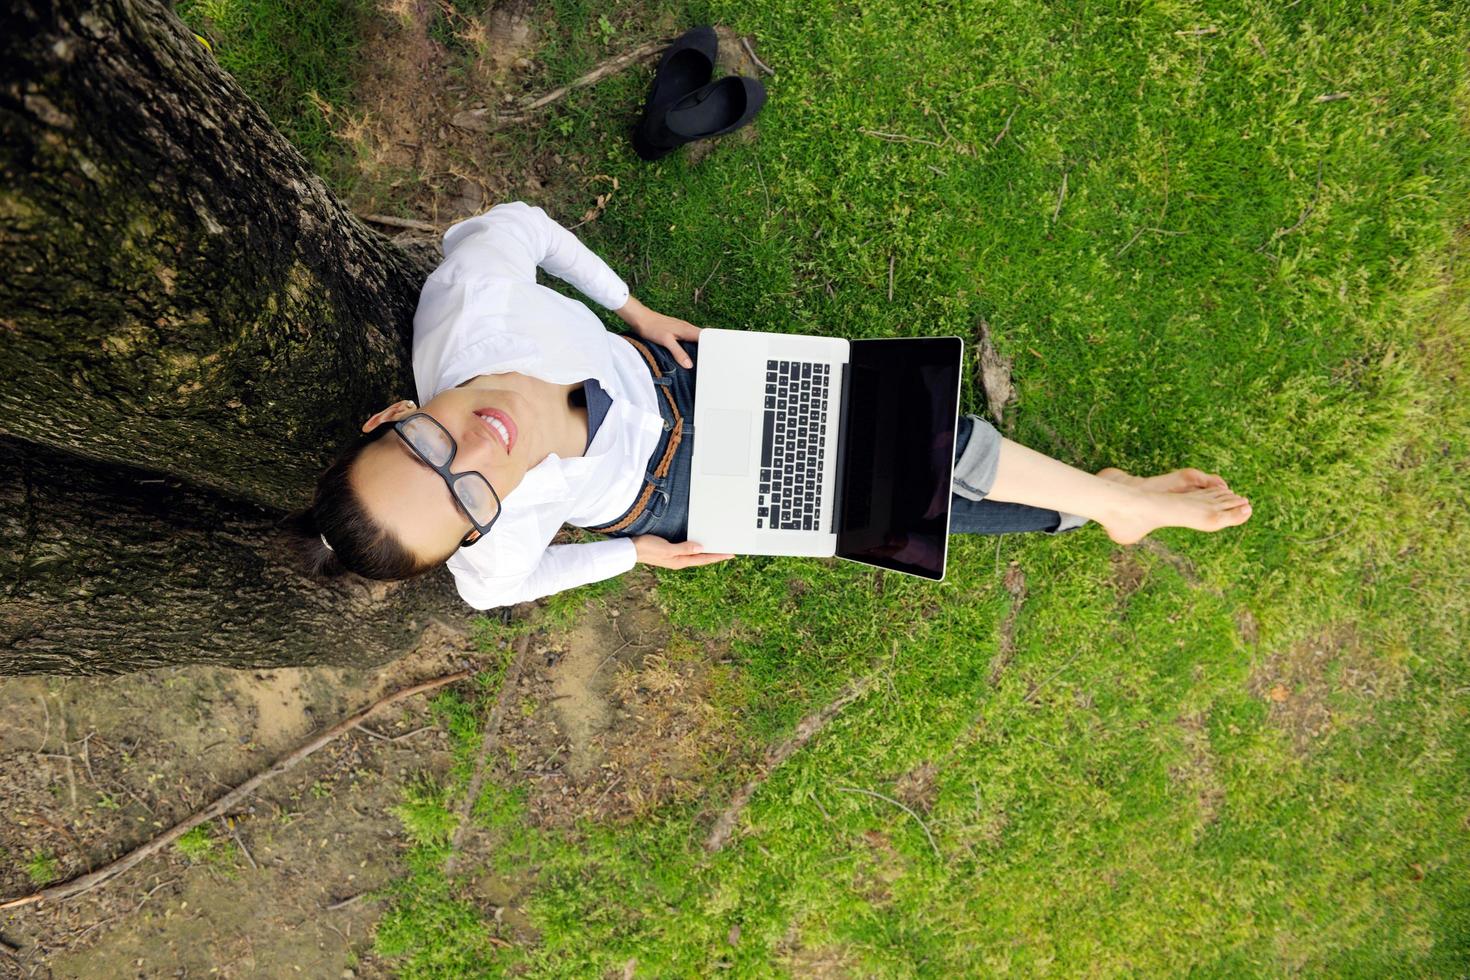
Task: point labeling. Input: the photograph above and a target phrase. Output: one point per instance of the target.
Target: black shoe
(687, 64)
(720, 107)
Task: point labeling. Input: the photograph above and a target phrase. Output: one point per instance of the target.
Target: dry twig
(922, 825)
(1280, 233)
(474, 119)
(899, 138)
(388, 221)
(114, 868)
(392, 738)
(235, 833)
(1061, 196)
(745, 42)
(1004, 129)
(700, 288)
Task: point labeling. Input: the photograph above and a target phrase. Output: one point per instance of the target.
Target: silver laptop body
(728, 512)
(773, 439)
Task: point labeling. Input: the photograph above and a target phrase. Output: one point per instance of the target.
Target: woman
(535, 416)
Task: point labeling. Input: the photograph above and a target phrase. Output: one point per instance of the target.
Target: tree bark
(179, 292)
(191, 326)
(106, 570)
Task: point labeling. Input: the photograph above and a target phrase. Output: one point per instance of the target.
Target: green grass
(294, 59)
(202, 846)
(1240, 275)
(43, 867)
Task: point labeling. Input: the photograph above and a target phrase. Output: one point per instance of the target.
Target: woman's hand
(663, 553)
(659, 329)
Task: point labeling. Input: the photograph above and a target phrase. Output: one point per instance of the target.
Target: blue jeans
(667, 514)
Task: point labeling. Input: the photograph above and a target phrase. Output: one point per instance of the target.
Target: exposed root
(487, 745)
(224, 804)
(805, 730)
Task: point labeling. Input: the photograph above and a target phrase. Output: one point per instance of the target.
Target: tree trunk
(191, 325)
(180, 292)
(106, 570)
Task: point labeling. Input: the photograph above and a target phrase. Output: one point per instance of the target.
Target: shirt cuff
(613, 297)
(611, 557)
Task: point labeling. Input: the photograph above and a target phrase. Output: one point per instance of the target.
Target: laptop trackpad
(726, 437)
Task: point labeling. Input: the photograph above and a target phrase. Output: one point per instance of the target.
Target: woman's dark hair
(359, 544)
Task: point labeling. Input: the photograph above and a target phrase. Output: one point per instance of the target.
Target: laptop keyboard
(793, 446)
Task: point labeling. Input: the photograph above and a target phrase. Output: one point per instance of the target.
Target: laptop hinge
(841, 489)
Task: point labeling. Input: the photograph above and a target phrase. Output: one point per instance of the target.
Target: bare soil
(615, 716)
(92, 767)
(1198, 774)
(612, 716)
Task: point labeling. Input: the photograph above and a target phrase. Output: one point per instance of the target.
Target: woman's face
(402, 493)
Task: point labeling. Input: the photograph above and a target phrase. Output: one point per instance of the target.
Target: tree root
(807, 728)
(87, 882)
(508, 686)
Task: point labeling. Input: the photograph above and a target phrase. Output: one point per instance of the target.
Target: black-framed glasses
(433, 444)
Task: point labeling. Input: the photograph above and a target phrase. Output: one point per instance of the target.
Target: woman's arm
(656, 328)
(566, 566)
(511, 240)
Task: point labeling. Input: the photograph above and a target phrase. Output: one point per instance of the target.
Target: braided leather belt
(676, 434)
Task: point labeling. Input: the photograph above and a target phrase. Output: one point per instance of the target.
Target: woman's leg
(991, 467)
(977, 449)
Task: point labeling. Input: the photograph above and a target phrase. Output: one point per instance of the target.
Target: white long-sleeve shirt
(482, 312)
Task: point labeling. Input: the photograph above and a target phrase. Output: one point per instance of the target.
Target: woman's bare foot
(1209, 508)
(1179, 481)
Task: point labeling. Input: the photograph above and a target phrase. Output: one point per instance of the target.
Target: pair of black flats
(684, 105)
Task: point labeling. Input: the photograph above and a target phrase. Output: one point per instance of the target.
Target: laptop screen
(898, 453)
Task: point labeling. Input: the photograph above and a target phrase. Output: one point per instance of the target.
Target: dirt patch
(408, 85)
(1197, 774)
(1247, 627)
(918, 788)
(92, 767)
(1015, 583)
(818, 963)
(420, 64)
(1126, 574)
(1324, 682)
(614, 716)
(880, 871)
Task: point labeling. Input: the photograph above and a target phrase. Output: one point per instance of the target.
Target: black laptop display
(894, 489)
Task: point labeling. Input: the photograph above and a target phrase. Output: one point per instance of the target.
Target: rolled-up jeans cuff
(974, 471)
(1069, 522)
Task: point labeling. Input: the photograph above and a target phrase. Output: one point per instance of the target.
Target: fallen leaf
(1279, 693)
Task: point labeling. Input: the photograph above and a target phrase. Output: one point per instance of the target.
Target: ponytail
(336, 536)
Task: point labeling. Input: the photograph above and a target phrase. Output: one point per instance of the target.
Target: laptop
(820, 446)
